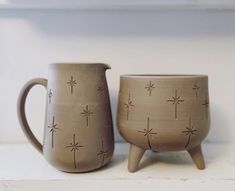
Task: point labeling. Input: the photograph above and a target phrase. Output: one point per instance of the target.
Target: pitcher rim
(75, 63)
(81, 64)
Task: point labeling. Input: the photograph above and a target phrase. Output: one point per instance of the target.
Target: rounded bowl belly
(163, 113)
(163, 135)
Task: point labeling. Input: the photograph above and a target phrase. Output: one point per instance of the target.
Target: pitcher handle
(21, 111)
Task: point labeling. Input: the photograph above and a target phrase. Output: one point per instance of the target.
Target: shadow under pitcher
(163, 113)
(78, 132)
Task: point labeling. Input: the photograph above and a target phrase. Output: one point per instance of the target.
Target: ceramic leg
(135, 155)
(197, 156)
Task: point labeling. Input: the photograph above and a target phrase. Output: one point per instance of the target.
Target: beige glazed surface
(163, 113)
(78, 133)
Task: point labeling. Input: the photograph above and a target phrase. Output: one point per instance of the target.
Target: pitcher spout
(107, 67)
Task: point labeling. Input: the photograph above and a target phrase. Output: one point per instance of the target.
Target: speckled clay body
(78, 133)
(163, 113)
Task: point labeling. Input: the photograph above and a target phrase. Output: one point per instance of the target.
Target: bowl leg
(135, 155)
(197, 156)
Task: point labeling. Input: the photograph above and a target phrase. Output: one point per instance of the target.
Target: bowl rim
(164, 76)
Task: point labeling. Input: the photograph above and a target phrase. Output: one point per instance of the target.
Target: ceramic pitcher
(78, 132)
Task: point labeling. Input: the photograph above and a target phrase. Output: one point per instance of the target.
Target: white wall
(131, 42)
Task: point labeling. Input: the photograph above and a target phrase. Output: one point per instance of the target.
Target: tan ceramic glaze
(163, 113)
(78, 133)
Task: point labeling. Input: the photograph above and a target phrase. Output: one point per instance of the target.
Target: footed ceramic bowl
(163, 113)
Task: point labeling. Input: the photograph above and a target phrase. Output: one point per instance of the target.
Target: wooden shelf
(118, 4)
(23, 168)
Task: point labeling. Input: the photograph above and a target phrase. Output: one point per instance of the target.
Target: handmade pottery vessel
(78, 133)
(163, 113)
